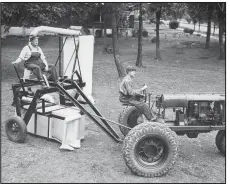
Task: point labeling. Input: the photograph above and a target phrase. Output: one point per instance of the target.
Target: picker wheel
(221, 141)
(150, 149)
(15, 128)
(130, 117)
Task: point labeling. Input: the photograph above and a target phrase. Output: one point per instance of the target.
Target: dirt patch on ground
(100, 160)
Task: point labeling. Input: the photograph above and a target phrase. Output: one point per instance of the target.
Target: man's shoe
(153, 119)
(44, 86)
(30, 92)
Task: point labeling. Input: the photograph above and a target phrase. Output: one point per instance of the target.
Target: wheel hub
(151, 150)
(14, 127)
(14, 130)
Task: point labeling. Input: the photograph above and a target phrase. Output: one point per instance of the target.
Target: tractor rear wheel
(150, 149)
(221, 141)
(16, 130)
(130, 117)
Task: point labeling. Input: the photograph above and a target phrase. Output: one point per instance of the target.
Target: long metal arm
(94, 109)
(111, 121)
(32, 107)
(113, 135)
(60, 31)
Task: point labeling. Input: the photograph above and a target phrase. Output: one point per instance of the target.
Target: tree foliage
(35, 14)
(176, 10)
(198, 12)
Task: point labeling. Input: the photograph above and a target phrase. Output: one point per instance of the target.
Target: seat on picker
(28, 73)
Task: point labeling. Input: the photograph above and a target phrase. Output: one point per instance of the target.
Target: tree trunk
(207, 44)
(199, 25)
(139, 54)
(117, 31)
(104, 27)
(158, 16)
(214, 28)
(104, 35)
(120, 67)
(221, 43)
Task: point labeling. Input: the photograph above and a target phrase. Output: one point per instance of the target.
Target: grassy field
(100, 159)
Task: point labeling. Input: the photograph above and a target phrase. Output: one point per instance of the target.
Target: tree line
(35, 14)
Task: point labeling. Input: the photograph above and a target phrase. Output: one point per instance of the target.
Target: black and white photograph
(113, 92)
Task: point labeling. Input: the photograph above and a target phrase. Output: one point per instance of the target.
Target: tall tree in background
(104, 11)
(210, 11)
(160, 9)
(120, 67)
(139, 53)
(116, 11)
(215, 19)
(158, 16)
(222, 23)
(155, 8)
(202, 11)
(194, 12)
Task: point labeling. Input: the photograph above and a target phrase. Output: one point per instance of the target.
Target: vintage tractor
(150, 148)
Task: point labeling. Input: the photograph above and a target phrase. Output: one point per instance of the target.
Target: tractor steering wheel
(145, 95)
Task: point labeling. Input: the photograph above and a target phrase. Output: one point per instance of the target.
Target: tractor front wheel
(130, 117)
(150, 149)
(16, 130)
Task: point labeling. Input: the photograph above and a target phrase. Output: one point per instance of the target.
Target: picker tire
(128, 117)
(221, 141)
(150, 149)
(16, 130)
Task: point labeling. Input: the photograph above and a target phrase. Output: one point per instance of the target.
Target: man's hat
(32, 37)
(130, 68)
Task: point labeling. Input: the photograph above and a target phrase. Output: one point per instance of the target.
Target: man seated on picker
(36, 61)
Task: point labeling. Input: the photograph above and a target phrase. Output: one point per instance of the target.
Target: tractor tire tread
(123, 116)
(218, 140)
(135, 134)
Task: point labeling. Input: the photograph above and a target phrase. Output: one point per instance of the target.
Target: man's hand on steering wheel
(144, 92)
(144, 87)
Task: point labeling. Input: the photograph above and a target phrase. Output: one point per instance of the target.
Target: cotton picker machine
(149, 148)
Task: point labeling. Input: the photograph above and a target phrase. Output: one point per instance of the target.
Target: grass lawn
(100, 159)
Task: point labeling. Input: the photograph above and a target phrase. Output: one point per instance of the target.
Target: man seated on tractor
(36, 61)
(130, 96)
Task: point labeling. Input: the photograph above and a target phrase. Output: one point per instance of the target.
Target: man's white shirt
(26, 52)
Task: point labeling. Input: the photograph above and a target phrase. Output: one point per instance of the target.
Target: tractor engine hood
(181, 100)
(61, 31)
